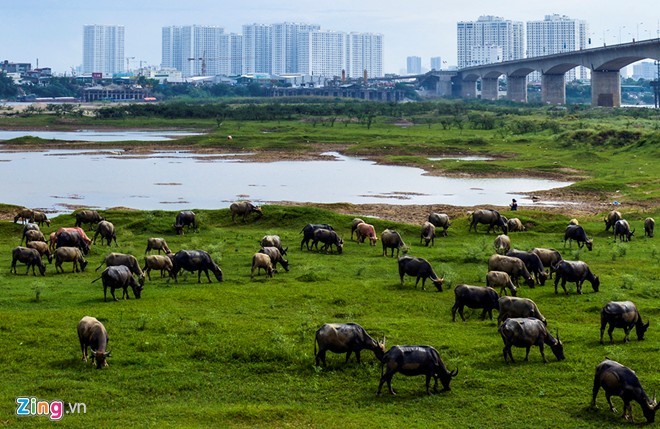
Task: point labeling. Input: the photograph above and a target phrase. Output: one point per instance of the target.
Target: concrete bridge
(605, 64)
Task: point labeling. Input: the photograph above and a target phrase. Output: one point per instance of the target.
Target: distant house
(114, 93)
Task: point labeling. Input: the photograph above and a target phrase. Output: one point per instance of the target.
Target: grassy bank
(240, 353)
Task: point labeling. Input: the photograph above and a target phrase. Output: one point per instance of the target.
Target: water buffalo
(119, 276)
(354, 225)
(365, 230)
(24, 215)
(107, 231)
(622, 230)
(475, 297)
(501, 280)
(502, 244)
(275, 257)
(440, 220)
(308, 232)
(195, 260)
(187, 219)
(489, 217)
(420, 269)
(243, 209)
(428, 234)
(527, 332)
(611, 219)
(328, 238)
(513, 307)
(42, 248)
(157, 244)
(512, 266)
(39, 218)
(88, 216)
(157, 262)
(622, 314)
(70, 254)
(392, 240)
(79, 230)
(575, 271)
(33, 235)
(576, 232)
(532, 263)
(649, 226)
(92, 334)
(115, 259)
(72, 239)
(549, 258)
(619, 380)
(259, 261)
(415, 360)
(345, 338)
(273, 241)
(29, 227)
(515, 225)
(29, 257)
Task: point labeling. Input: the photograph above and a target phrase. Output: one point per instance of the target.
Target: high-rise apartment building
(322, 53)
(645, 70)
(364, 52)
(284, 49)
(196, 50)
(490, 31)
(413, 65)
(554, 35)
(436, 63)
(257, 48)
(103, 49)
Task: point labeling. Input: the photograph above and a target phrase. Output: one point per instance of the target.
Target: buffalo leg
(527, 353)
(542, 353)
(578, 286)
(348, 355)
(357, 356)
(609, 332)
(594, 392)
(603, 323)
(609, 402)
(626, 331)
(428, 384)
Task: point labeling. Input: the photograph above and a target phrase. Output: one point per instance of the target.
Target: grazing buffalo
(527, 332)
(33, 235)
(549, 258)
(115, 259)
(621, 381)
(107, 231)
(501, 280)
(243, 209)
(159, 263)
(345, 338)
(39, 217)
(42, 248)
(195, 260)
(24, 215)
(611, 219)
(515, 225)
(440, 220)
(259, 261)
(420, 269)
(576, 232)
(392, 240)
(29, 257)
(415, 360)
(79, 230)
(273, 241)
(88, 216)
(187, 219)
(622, 230)
(308, 232)
(475, 297)
(649, 226)
(355, 224)
(157, 244)
(328, 238)
(70, 254)
(29, 227)
(513, 307)
(622, 314)
(575, 271)
(502, 244)
(92, 334)
(119, 276)
(532, 263)
(512, 266)
(72, 239)
(428, 234)
(275, 257)
(365, 230)
(492, 218)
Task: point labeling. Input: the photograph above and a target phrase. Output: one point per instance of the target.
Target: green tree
(8, 88)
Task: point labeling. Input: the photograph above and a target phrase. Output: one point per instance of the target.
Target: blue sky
(51, 30)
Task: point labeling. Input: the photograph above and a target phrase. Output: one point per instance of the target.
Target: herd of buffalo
(520, 323)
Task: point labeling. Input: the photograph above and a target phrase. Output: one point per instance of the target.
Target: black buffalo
(527, 332)
(622, 314)
(532, 263)
(622, 230)
(576, 232)
(475, 297)
(30, 257)
(119, 277)
(329, 239)
(574, 271)
(420, 269)
(308, 232)
(185, 219)
(88, 216)
(72, 239)
(195, 260)
(345, 338)
(489, 217)
(440, 220)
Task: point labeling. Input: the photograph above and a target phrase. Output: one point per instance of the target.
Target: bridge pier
(516, 88)
(489, 87)
(605, 88)
(553, 89)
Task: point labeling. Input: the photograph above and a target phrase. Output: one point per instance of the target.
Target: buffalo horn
(557, 334)
(454, 373)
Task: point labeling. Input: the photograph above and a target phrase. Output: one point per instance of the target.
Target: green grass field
(240, 353)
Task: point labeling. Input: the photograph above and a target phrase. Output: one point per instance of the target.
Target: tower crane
(203, 60)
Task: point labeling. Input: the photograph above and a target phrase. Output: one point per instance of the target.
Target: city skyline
(51, 31)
